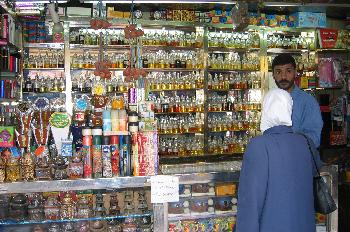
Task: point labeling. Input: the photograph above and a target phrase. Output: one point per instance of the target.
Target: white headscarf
(276, 109)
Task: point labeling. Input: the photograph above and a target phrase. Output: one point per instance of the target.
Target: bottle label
(115, 160)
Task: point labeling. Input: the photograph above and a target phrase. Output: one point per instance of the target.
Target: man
(306, 116)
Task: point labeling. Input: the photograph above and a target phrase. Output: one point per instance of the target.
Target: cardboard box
(310, 19)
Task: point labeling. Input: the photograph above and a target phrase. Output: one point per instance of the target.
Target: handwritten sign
(164, 189)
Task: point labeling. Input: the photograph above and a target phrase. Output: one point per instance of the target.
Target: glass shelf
(161, 90)
(71, 185)
(183, 133)
(43, 69)
(223, 131)
(7, 74)
(227, 49)
(14, 222)
(44, 45)
(179, 112)
(201, 216)
(232, 70)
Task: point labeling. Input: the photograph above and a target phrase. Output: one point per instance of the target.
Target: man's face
(284, 76)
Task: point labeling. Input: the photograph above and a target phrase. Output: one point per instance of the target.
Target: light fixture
(163, 1)
(57, 25)
(39, 1)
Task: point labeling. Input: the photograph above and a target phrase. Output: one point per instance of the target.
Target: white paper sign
(164, 189)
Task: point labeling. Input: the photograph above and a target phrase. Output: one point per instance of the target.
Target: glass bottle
(27, 166)
(2, 170)
(52, 208)
(12, 170)
(60, 168)
(67, 209)
(76, 167)
(83, 208)
(18, 207)
(36, 208)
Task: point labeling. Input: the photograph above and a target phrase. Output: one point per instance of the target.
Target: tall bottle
(97, 152)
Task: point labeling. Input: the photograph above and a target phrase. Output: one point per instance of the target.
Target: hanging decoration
(134, 34)
(101, 66)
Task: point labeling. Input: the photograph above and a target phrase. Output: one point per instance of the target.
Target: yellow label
(304, 82)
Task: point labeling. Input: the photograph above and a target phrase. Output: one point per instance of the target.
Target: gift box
(6, 136)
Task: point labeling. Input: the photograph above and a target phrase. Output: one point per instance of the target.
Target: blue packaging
(310, 19)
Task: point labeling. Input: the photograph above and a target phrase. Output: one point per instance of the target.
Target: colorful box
(7, 136)
(310, 19)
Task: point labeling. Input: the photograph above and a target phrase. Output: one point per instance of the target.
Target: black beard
(281, 84)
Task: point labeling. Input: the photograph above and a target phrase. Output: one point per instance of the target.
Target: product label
(97, 161)
(106, 161)
(86, 151)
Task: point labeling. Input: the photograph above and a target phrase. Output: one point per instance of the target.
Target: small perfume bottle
(76, 166)
(36, 208)
(27, 166)
(114, 208)
(4, 206)
(83, 208)
(67, 209)
(52, 208)
(2, 169)
(142, 206)
(60, 168)
(128, 202)
(99, 211)
(12, 170)
(43, 169)
(18, 207)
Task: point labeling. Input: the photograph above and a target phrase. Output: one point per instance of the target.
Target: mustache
(284, 82)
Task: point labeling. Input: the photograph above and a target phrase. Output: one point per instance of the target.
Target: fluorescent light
(38, 1)
(163, 1)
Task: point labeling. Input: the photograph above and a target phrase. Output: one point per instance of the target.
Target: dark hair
(283, 59)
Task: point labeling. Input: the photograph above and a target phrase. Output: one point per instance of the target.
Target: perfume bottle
(27, 166)
(76, 166)
(52, 208)
(99, 211)
(43, 168)
(18, 207)
(142, 202)
(83, 208)
(129, 225)
(2, 169)
(67, 209)
(4, 206)
(12, 169)
(114, 208)
(36, 208)
(60, 168)
(128, 202)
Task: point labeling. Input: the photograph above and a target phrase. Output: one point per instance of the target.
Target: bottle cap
(114, 139)
(105, 140)
(96, 131)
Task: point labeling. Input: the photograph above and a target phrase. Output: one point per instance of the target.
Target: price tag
(164, 189)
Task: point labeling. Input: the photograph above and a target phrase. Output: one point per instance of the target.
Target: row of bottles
(226, 81)
(234, 39)
(50, 59)
(164, 59)
(69, 205)
(181, 124)
(9, 61)
(234, 122)
(176, 80)
(291, 42)
(84, 81)
(173, 38)
(234, 100)
(181, 146)
(233, 142)
(177, 104)
(233, 61)
(42, 84)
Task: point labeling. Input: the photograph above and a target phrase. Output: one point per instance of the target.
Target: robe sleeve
(313, 123)
(252, 187)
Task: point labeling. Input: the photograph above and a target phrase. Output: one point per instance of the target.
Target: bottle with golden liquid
(12, 169)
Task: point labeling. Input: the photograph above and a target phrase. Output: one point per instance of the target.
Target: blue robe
(306, 116)
(275, 192)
